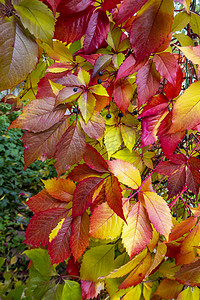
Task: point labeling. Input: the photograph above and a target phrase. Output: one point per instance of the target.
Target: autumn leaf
(158, 212)
(58, 247)
(104, 223)
(61, 189)
(123, 93)
(137, 233)
(79, 240)
(94, 160)
(126, 173)
(189, 274)
(168, 289)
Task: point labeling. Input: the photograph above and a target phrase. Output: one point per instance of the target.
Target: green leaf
(39, 20)
(41, 261)
(18, 53)
(2, 260)
(97, 262)
(71, 290)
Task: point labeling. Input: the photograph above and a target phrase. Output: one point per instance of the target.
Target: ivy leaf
(38, 18)
(94, 160)
(71, 27)
(129, 266)
(148, 82)
(137, 233)
(173, 91)
(182, 228)
(86, 103)
(112, 139)
(189, 274)
(128, 8)
(126, 173)
(168, 288)
(97, 31)
(129, 66)
(70, 148)
(151, 27)
(138, 274)
(81, 172)
(167, 66)
(83, 194)
(192, 53)
(185, 111)
(43, 201)
(158, 257)
(74, 6)
(18, 53)
(61, 189)
(104, 223)
(91, 289)
(114, 195)
(39, 115)
(58, 248)
(159, 213)
(71, 290)
(95, 126)
(41, 225)
(79, 240)
(123, 93)
(97, 262)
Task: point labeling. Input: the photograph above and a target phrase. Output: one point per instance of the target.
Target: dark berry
(120, 114)
(174, 215)
(99, 81)
(75, 110)
(75, 90)
(135, 112)
(100, 73)
(108, 116)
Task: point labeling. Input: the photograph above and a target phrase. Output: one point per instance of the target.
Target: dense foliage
(113, 96)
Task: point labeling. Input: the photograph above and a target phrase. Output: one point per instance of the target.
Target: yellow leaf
(186, 3)
(58, 51)
(159, 213)
(104, 223)
(56, 87)
(86, 103)
(158, 257)
(168, 269)
(84, 77)
(180, 21)
(137, 233)
(98, 89)
(54, 232)
(189, 293)
(184, 40)
(129, 136)
(126, 173)
(186, 110)
(134, 293)
(195, 23)
(192, 53)
(112, 139)
(169, 289)
(13, 260)
(128, 267)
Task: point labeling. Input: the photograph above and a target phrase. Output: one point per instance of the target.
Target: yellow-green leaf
(184, 40)
(134, 293)
(195, 23)
(112, 139)
(58, 51)
(180, 21)
(129, 136)
(86, 103)
(38, 18)
(189, 293)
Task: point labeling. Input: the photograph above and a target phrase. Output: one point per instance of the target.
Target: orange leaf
(168, 289)
(137, 232)
(189, 274)
(62, 189)
(182, 228)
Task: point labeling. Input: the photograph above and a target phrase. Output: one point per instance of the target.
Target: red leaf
(129, 66)
(42, 145)
(70, 148)
(114, 195)
(73, 6)
(155, 105)
(73, 267)
(95, 126)
(39, 115)
(54, 4)
(173, 91)
(148, 82)
(94, 160)
(90, 289)
(108, 5)
(151, 27)
(43, 201)
(71, 27)
(97, 31)
(83, 195)
(123, 94)
(58, 248)
(167, 66)
(127, 9)
(81, 172)
(176, 182)
(41, 225)
(79, 240)
(193, 180)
